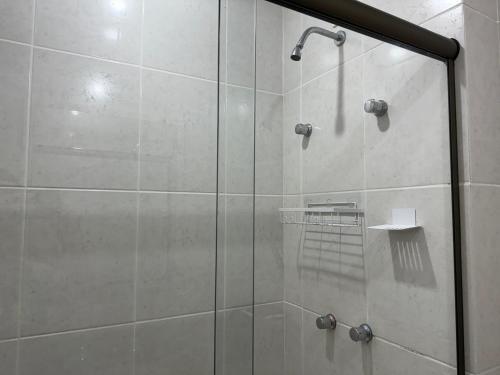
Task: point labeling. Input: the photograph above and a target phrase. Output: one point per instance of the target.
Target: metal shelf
(324, 214)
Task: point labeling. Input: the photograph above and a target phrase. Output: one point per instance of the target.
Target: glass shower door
(335, 247)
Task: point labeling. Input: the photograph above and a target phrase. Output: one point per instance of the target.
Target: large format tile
(321, 54)
(333, 155)
(486, 7)
(237, 142)
(269, 144)
(11, 220)
(482, 272)
(408, 271)
(268, 272)
(180, 346)
(268, 339)
(239, 48)
(451, 24)
(101, 28)
(415, 11)
(293, 340)
(16, 20)
(483, 93)
(14, 79)
(176, 255)
(330, 352)
(8, 357)
(78, 260)
(269, 39)
(292, 143)
(292, 29)
(331, 262)
(389, 359)
(292, 250)
(410, 145)
(235, 274)
(105, 351)
(179, 133)
(234, 341)
(84, 123)
(181, 36)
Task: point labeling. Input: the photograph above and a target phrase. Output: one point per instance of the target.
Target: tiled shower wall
(409, 311)
(108, 174)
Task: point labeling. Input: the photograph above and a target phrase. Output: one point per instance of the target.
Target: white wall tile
(176, 255)
(8, 355)
(11, 220)
(410, 273)
(239, 43)
(321, 54)
(389, 359)
(78, 261)
(178, 133)
(99, 352)
(416, 11)
(410, 145)
(292, 29)
(183, 345)
(16, 20)
(268, 271)
(269, 39)
(84, 123)
(483, 96)
(101, 28)
(181, 36)
(269, 144)
(268, 340)
(333, 155)
(14, 80)
(482, 273)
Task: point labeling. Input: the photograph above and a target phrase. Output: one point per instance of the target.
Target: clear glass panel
(363, 166)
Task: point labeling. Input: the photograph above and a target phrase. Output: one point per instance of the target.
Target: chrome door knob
(362, 333)
(326, 322)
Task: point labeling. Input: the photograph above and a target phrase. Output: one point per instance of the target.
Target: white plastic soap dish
(402, 219)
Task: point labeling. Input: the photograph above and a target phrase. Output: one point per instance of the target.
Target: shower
(338, 37)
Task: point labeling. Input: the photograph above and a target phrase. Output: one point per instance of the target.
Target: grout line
(31, 188)
(15, 42)
(130, 65)
(251, 89)
(416, 187)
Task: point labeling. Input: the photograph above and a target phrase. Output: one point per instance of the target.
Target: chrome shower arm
(338, 37)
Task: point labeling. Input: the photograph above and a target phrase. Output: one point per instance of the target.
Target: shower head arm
(338, 37)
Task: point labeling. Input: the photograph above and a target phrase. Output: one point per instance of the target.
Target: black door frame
(383, 26)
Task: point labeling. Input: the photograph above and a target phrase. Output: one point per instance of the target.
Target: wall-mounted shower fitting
(304, 129)
(327, 321)
(339, 38)
(377, 107)
(362, 333)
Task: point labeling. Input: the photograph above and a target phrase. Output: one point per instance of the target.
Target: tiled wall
(411, 312)
(108, 135)
(401, 160)
(251, 57)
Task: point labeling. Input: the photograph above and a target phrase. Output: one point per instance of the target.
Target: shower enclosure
(222, 187)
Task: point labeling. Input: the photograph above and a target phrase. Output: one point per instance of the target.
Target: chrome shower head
(338, 37)
(296, 53)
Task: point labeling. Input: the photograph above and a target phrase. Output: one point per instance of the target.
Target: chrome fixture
(362, 333)
(377, 107)
(338, 37)
(304, 129)
(327, 321)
